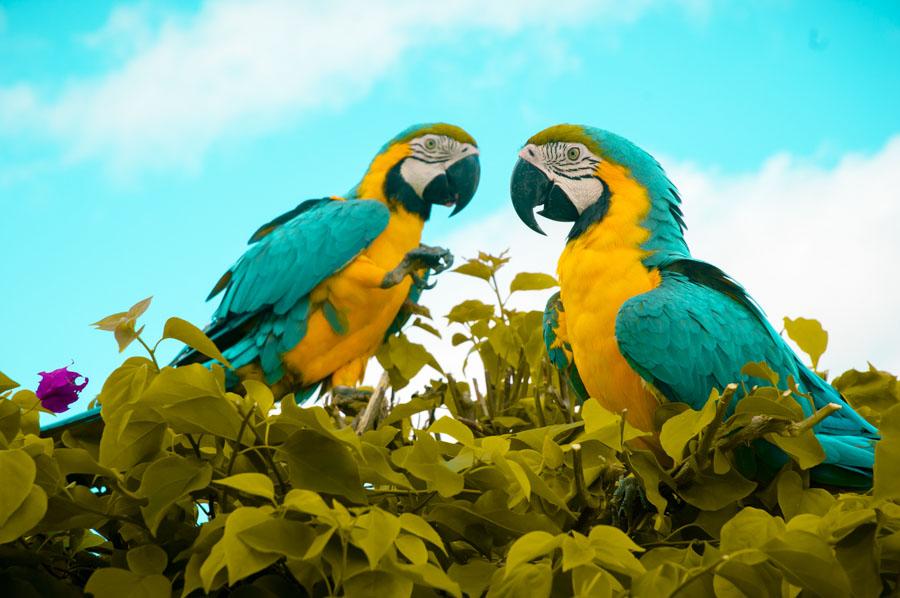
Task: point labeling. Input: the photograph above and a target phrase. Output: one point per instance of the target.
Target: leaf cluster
(497, 488)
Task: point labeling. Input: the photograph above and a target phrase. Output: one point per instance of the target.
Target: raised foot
(422, 257)
(350, 399)
(628, 504)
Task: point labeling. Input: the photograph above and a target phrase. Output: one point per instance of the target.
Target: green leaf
(476, 269)
(713, 492)
(424, 461)
(887, 456)
(306, 501)
(750, 528)
(613, 550)
(452, 427)
(414, 524)
(232, 553)
(321, 464)
(376, 459)
(193, 337)
(377, 584)
(413, 548)
(458, 339)
(680, 429)
(126, 384)
(256, 484)
(470, 310)
(762, 371)
(529, 547)
(7, 383)
(374, 533)
(192, 400)
(871, 393)
(604, 426)
(534, 581)
(474, 577)
(284, 537)
(809, 336)
(576, 551)
(419, 323)
(147, 560)
(808, 561)
(10, 420)
(17, 472)
(260, 394)
(166, 481)
(115, 583)
(805, 448)
(795, 500)
(532, 281)
(28, 514)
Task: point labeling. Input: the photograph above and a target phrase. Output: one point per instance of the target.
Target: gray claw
(628, 503)
(422, 257)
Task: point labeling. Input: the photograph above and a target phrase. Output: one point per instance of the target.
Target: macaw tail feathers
(849, 461)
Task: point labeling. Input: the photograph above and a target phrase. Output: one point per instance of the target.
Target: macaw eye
(573, 153)
(430, 144)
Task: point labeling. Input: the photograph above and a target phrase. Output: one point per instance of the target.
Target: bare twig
(373, 407)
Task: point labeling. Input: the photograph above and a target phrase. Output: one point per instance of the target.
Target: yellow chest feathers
(598, 272)
(367, 310)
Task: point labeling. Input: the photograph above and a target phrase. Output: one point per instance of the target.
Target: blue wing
(559, 351)
(696, 331)
(265, 306)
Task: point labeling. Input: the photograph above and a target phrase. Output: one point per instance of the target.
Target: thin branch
(373, 407)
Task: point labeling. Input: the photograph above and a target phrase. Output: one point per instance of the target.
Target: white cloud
(804, 240)
(239, 66)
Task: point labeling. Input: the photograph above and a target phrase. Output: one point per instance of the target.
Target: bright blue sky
(141, 144)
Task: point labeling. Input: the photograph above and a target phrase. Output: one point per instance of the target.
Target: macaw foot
(420, 258)
(628, 504)
(350, 399)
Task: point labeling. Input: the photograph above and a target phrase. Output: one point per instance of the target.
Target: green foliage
(501, 487)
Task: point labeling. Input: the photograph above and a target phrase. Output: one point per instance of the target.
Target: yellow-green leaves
(809, 336)
(493, 484)
(7, 383)
(255, 484)
(887, 456)
(532, 281)
(193, 337)
(122, 324)
(680, 429)
(167, 481)
(22, 504)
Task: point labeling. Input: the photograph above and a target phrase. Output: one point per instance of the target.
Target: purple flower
(57, 389)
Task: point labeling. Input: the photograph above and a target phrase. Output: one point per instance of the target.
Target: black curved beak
(531, 188)
(457, 186)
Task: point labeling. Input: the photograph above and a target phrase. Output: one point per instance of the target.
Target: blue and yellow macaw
(312, 298)
(637, 319)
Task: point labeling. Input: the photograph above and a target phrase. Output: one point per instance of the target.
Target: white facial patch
(569, 166)
(431, 156)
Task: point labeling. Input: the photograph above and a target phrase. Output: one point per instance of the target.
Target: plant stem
(149, 350)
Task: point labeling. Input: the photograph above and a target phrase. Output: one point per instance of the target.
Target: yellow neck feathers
(372, 184)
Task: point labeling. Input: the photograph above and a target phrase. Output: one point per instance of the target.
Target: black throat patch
(595, 212)
(397, 190)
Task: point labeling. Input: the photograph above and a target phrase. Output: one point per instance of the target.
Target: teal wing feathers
(559, 353)
(698, 328)
(265, 305)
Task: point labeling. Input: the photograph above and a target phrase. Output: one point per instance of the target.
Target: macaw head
(425, 165)
(584, 175)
